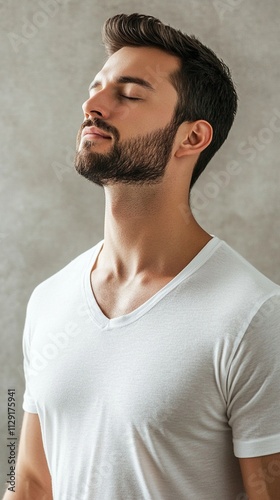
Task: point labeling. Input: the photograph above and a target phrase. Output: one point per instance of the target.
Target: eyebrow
(122, 80)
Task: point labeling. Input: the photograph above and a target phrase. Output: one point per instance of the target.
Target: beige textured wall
(49, 214)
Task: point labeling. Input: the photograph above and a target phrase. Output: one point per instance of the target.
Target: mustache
(102, 125)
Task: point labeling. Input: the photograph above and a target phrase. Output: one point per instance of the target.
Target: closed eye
(131, 98)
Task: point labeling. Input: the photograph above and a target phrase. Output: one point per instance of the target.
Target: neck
(147, 231)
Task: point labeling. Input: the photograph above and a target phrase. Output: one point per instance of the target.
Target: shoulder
(237, 276)
(236, 299)
(61, 281)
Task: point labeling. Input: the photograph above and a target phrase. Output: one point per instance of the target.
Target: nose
(96, 105)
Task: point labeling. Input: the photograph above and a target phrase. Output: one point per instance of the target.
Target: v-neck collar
(106, 323)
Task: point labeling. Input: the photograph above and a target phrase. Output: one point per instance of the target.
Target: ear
(197, 137)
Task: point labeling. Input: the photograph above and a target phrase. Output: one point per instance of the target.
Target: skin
(261, 477)
(147, 238)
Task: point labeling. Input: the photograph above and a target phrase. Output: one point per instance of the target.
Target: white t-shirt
(159, 403)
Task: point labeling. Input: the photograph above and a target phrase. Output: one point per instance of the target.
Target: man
(152, 360)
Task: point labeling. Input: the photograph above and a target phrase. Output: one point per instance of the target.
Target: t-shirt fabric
(160, 403)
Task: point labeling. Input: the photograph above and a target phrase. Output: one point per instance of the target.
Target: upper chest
(117, 299)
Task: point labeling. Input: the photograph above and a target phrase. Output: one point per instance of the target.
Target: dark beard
(141, 160)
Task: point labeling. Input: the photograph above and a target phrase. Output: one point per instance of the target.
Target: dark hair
(203, 82)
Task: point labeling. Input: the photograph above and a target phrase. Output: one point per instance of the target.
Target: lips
(95, 132)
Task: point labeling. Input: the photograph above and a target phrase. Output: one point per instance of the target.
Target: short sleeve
(28, 402)
(254, 385)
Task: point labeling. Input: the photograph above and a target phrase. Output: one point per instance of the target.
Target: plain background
(49, 214)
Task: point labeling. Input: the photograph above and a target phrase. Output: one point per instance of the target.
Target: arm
(33, 480)
(261, 477)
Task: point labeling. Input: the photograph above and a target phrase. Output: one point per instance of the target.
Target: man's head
(191, 83)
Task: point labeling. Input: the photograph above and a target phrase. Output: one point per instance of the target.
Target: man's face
(132, 104)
